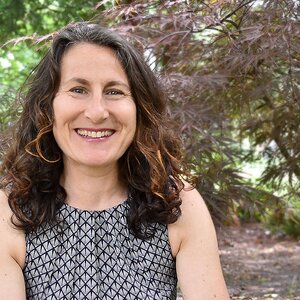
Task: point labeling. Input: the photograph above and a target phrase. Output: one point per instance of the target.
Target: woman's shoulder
(6, 225)
(196, 218)
(12, 254)
(190, 196)
(12, 240)
(193, 207)
(5, 211)
(194, 221)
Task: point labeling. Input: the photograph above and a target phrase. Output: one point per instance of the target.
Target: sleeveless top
(93, 255)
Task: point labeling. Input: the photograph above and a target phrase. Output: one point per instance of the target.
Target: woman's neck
(93, 189)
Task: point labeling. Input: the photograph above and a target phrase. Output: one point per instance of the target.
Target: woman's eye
(78, 90)
(115, 92)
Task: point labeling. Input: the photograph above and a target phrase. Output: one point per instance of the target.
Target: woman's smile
(94, 134)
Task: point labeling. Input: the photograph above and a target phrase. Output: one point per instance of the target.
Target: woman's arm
(12, 252)
(193, 239)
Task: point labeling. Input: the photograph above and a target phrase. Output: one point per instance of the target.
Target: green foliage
(248, 215)
(15, 66)
(16, 63)
(284, 219)
(291, 225)
(26, 17)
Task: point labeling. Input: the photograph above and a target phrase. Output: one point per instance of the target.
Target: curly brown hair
(151, 167)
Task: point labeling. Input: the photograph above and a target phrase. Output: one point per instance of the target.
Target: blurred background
(231, 70)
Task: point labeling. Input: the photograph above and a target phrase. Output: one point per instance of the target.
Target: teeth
(94, 134)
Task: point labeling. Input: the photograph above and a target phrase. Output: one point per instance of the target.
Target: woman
(93, 204)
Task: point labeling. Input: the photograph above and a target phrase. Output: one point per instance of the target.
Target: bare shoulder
(194, 243)
(195, 221)
(12, 240)
(12, 255)
(5, 213)
(193, 204)
(194, 212)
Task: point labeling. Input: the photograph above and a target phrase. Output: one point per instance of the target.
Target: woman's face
(94, 112)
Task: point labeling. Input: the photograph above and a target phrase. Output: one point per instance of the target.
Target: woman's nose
(96, 109)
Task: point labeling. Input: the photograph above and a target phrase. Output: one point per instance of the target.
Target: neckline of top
(80, 210)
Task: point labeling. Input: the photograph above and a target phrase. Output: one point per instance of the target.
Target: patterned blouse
(93, 255)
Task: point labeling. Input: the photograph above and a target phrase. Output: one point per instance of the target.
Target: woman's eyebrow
(79, 80)
(108, 84)
(116, 82)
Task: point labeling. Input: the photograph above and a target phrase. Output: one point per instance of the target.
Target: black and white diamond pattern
(94, 256)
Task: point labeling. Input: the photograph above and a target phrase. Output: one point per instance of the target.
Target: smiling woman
(93, 204)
